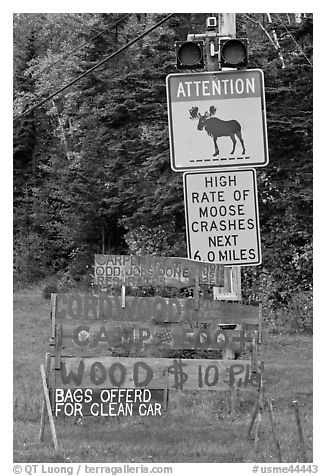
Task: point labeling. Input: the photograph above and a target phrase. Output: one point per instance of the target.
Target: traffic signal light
(190, 54)
(233, 52)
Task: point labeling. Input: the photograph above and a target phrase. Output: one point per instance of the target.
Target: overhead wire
(108, 58)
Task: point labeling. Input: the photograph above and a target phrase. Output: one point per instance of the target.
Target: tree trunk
(63, 135)
(278, 48)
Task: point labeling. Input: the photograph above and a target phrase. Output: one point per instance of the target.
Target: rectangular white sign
(222, 220)
(217, 119)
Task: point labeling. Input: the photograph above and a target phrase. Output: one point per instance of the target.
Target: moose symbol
(217, 128)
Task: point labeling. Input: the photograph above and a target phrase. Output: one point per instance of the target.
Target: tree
(92, 166)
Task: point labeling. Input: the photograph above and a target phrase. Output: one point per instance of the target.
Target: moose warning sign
(217, 119)
(222, 217)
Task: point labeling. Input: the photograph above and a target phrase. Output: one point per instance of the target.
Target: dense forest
(92, 167)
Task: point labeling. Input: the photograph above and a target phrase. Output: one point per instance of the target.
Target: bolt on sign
(217, 119)
(115, 270)
(222, 220)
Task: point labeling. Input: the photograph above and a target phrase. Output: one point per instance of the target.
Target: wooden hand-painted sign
(222, 220)
(152, 309)
(217, 119)
(90, 336)
(151, 373)
(84, 323)
(144, 271)
(81, 379)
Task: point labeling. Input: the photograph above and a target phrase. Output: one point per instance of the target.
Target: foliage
(296, 317)
(161, 241)
(91, 167)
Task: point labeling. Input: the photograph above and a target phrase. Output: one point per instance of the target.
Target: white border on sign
(185, 168)
(255, 196)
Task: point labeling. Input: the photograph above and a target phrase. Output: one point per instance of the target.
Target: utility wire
(96, 66)
(74, 50)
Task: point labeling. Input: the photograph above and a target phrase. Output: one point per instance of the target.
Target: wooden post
(58, 347)
(228, 353)
(253, 418)
(42, 423)
(53, 309)
(196, 290)
(123, 291)
(227, 402)
(166, 390)
(301, 437)
(48, 408)
(43, 408)
(257, 412)
(258, 425)
(233, 401)
(260, 324)
(254, 353)
(277, 443)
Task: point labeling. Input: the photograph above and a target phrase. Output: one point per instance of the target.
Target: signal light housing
(190, 54)
(233, 52)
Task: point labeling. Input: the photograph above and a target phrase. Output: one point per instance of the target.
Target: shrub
(48, 290)
(301, 312)
(295, 317)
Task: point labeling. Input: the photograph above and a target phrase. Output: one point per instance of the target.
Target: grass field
(197, 427)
